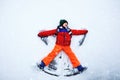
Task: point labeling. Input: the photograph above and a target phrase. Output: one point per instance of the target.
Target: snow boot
(41, 65)
(77, 70)
(81, 68)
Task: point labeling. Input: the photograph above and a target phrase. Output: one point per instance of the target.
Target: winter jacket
(63, 35)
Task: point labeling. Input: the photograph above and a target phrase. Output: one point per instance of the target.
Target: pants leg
(52, 55)
(75, 62)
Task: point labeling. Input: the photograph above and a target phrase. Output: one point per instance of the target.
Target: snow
(20, 48)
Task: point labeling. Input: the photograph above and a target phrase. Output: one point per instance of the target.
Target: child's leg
(52, 55)
(71, 56)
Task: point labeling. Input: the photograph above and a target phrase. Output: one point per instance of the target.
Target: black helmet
(62, 21)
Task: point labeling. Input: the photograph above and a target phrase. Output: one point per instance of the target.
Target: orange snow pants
(56, 50)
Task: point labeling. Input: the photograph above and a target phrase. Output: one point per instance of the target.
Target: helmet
(62, 21)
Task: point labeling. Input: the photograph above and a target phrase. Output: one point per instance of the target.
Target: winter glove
(82, 40)
(45, 40)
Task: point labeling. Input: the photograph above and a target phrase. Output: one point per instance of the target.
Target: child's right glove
(45, 40)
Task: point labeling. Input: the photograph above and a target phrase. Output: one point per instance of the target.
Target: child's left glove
(82, 40)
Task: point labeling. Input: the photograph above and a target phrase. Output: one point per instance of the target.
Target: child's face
(65, 24)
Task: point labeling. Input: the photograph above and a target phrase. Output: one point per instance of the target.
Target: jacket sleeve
(47, 33)
(79, 32)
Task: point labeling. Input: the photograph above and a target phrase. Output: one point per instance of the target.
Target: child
(63, 40)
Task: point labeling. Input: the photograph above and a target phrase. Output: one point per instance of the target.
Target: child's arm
(47, 33)
(79, 32)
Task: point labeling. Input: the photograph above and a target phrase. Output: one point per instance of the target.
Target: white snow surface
(20, 48)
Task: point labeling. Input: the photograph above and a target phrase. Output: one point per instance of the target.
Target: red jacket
(63, 38)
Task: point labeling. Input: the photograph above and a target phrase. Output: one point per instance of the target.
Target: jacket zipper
(63, 38)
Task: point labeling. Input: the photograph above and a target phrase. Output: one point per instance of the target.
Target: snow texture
(20, 48)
